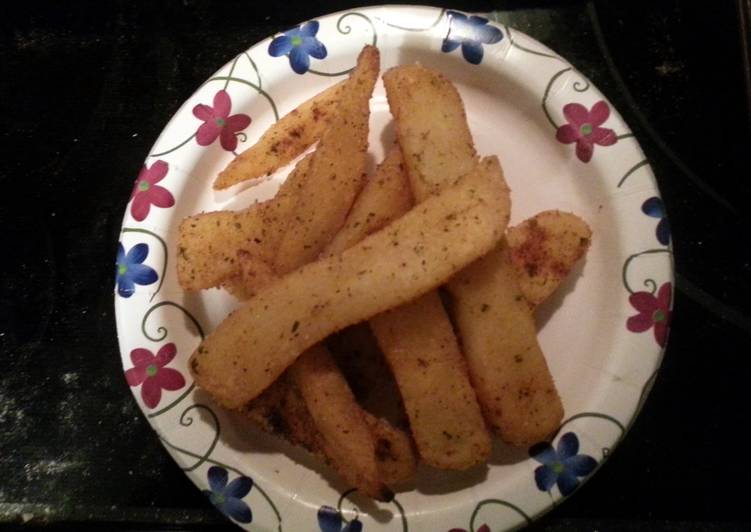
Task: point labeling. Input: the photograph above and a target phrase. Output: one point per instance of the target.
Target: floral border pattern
(588, 127)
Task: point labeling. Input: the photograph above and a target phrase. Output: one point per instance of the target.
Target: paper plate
(562, 146)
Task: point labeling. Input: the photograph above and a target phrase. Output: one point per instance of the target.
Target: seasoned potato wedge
(217, 247)
(396, 459)
(488, 291)
(445, 419)
(505, 361)
(385, 197)
(346, 438)
(335, 248)
(285, 140)
(337, 171)
(406, 259)
(431, 126)
(282, 410)
(544, 249)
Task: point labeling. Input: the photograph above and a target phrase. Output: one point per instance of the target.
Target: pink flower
(654, 312)
(146, 192)
(584, 128)
(150, 372)
(218, 123)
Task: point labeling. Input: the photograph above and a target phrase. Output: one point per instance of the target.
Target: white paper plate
(603, 333)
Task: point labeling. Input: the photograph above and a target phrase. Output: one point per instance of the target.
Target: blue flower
(228, 497)
(471, 33)
(129, 270)
(563, 466)
(329, 520)
(299, 44)
(654, 207)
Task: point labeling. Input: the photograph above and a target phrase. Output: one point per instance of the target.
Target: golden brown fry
(356, 353)
(414, 254)
(214, 246)
(384, 198)
(488, 291)
(535, 254)
(284, 140)
(544, 249)
(294, 415)
(253, 274)
(334, 179)
(422, 351)
(337, 171)
(393, 450)
(208, 244)
(346, 438)
(431, 126)
(419, 343)
(281, 410)
(505, 361)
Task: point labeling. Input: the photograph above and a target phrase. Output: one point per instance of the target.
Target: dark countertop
(85, 88)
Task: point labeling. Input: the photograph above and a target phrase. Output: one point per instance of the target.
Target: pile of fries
(419, 252)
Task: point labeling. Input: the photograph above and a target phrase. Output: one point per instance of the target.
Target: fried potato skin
(544, 249)
(431, 126)
(337, 171)
(507, 366)
(416, 253)
(421, 349)
(285, 140)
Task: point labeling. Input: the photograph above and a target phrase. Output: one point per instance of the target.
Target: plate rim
(508, 31)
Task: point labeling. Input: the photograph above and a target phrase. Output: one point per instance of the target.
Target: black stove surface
(86, 87)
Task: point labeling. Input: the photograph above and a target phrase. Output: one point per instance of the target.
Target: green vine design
(187, 420)
(649, 283)
(255, 69)
(164, 247)
(527, 518)
(163, 332)
(407, 28)
(175, 148)
(546, 95)
(598, 415)
(229, 77)
(346, 30)
(605, 450)
(231, 71)
(631, 171)
(252, 85)
(174, 403)
(499, 502)
(344, 495)
(206, 457)
(579, 85)
(515, 44)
